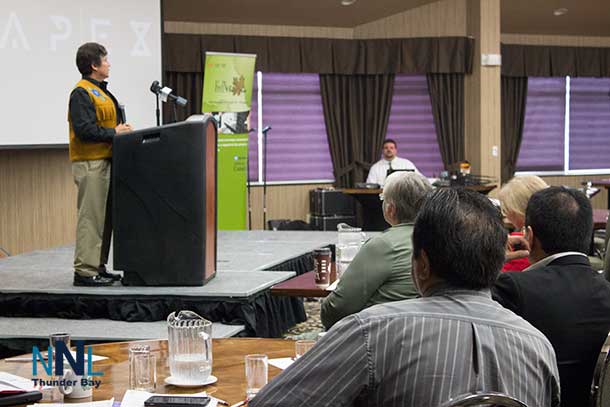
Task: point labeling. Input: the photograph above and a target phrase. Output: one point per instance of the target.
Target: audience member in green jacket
(381, 271)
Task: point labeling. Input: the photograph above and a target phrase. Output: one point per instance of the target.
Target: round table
(228, 366)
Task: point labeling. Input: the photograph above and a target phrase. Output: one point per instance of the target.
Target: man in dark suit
(560, 294)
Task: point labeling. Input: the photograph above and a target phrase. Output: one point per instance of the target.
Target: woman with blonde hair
(513, 197)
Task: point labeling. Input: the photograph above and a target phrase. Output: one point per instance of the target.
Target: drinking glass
(256, 374)
(142, 368)
(302, 346)
(59, 337)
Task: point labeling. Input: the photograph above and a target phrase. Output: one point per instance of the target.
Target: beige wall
(482, 91)
(38, 200)
(563, 40)
(178, 27)
(446, 18)
(283, 202)
(600, 201)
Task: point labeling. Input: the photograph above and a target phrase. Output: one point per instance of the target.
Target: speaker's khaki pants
(94, 224)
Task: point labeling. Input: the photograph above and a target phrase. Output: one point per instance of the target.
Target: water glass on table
(59, 337)
(142, 368)
(302, 346)
(256, 374)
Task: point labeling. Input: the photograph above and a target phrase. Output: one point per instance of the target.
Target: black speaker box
(330, 202)
(329, 223)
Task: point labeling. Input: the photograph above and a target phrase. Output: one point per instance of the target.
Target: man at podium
(390, 161)
(94, 119)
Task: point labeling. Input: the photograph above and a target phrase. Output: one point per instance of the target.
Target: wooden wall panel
(37, 200)
(444, 18)
(283, 202)
(178, 27)
(600, 201)
(562, 40)
(482, 91)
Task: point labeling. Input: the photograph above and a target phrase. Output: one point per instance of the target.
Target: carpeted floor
(310, 328)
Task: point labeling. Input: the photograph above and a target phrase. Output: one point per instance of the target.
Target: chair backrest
(294, 225)
(492, 399)
(600, 388)
(287, 224)
(607, 253)
(274, 224)
(3, 253)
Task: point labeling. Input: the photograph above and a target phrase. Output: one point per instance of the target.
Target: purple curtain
(589, 123)
(297, 146)
(542, 147)
(411, 124)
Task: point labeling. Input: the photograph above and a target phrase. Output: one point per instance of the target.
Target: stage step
(97, 329)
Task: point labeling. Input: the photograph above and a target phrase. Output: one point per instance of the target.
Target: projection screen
(38, 43)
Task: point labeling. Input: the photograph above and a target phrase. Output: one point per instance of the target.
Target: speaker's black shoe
(93, 281)
(104, 273)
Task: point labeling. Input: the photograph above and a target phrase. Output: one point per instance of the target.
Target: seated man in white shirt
(379, 170)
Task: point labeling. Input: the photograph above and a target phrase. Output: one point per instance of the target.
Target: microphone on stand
(155, 87)
(123, 114)
(265, 130)
(165, 93)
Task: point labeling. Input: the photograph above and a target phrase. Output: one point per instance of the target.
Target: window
(297, 146)
(542, 146)
(567, 126)
(411, 124)
(589, 123)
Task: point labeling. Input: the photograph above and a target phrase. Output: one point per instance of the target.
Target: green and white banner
(227, 92)
(227, 83)
(232, 161)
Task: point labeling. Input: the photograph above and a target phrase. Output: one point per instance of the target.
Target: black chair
(274, 224)
(295, 225)
(4, 253)
(600, 388)
(287, 224)
(607, 251)
(491, 399)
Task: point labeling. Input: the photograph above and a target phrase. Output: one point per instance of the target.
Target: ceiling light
(560, 11)
(347, 2)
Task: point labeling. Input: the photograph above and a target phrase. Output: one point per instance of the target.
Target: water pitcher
(349, 241)
(190, 347)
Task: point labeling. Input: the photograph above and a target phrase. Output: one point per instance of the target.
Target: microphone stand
(175, 111)
(265, 130)
(248, 183)
(158, 111)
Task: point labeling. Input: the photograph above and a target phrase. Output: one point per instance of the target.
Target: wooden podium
(371, 211)
(164, 204)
